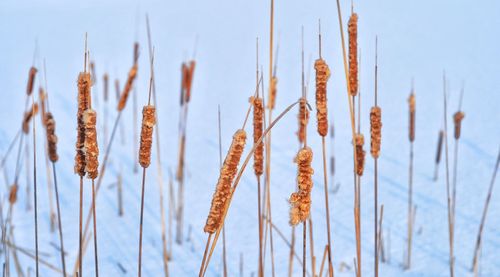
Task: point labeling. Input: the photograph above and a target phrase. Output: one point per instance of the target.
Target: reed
(375, 141)
(166, 253)
(439, 150)
(411, 137)
(479, 241)
(322, 76)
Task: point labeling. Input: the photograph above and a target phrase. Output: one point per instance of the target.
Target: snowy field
(417, 39)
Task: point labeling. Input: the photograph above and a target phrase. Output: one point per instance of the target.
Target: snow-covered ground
(417, 39)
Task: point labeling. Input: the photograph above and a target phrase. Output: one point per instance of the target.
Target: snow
(417, 40)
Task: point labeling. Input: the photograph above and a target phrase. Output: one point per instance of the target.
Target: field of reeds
(130, 134)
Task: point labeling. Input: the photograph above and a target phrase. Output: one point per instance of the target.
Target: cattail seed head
(13, 194)
(50, 124)
(189, 80)
(440, 146)
(359, 141)
(273, 91)
(353, 54)
(42, 98)
(375, 131)
(226, 177)
(31, 80)
(300, 201)
(128, 87)
(457, 120)
(258, 127)
(412, 105)
(84, 83)
(136, 52)
(106, 86)
(91, 149)
(303, 118)
(28, 116)
(179, 175)
(148, 122)
(322, 76)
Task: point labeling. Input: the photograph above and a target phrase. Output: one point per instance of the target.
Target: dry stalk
(411, 137)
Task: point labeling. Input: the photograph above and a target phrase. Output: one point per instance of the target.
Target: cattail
(353, 54)
(136, 52)
(13, 194)
(184, 77)
(303, 118)
(300, 201)
(440, 146)
(50, 124)
(179, 175)
(273, 89)
(28, 116)
(31, 80)
(128, 87)
(106, 86)
(375, 131)
(91, 148)
(412, 102)
(457, 119)
(322, 76)
(42, 96)
(189, 80)
(226, 177)
(84, 84)
(359, 140)
(258, 124)
(148, 121)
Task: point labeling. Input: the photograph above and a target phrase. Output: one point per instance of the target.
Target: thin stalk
(323, 261)
(311, 245)
(292, 253)
(304, 233)
(140, 224)
(35, 186)
(158, 156)
(477, 248)
(95, 230)
(449, 203)
(327, 208)
(80, 230)
(61, 240)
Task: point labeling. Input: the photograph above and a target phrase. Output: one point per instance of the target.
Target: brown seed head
(226, 177)
(353, 54)
(42, 98)
(84, 84)
(258, 127)
(359, 141)
(375, 131)
(179, 175)
(13, 194)
(31, 80)
(457, 119)
(303, 119)
(148, 122)
(300, 201)
(273, 90)
(50, 124)
(322, 76)
(91, 149)
(128, 87)
(412, 105)
(28, 116)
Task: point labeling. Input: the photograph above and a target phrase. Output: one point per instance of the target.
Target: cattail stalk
(206, 261)
(322, 76)
(166, 254)
(448, 193)
(479, 241)
(411, 137)
(99, 182)
(148, 122)
(375, 141)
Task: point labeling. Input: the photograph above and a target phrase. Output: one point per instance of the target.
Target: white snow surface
(417, 39)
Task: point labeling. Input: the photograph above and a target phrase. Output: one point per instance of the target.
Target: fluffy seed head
(91, 149)
(50, 125)
(148, 122)
(375, 131)
(31, 80)
(300, 201)
(359, 141)
(226, 177)
(128, 87)
(303, 119)
(258, 126)
(353, 54)
(457, 119)
(322, 76)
